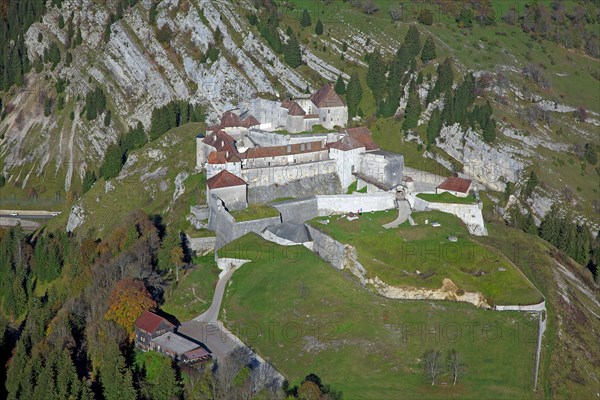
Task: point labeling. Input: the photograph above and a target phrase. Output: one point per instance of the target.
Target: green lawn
(305, 316)
(193, 295)
(352, 188)
(394, 255)
(446, 198)
(255, 211)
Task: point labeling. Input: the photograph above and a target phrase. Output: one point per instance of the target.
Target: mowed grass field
(194, 292)
(394, 255)
(304, 316)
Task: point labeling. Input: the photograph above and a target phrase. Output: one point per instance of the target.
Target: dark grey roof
(296, 233)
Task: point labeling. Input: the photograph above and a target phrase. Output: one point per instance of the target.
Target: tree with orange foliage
(128, 300)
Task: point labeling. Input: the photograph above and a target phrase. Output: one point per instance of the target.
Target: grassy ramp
(395, 255)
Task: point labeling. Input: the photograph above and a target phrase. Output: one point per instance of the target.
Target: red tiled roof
(230, 120)
(250, 121)
(224, 179)
(296, 110)
(149, 322)
(217, 157)
(287, 103)
(456, 184)
(327, 97)
(274, 151)
(221, 141)
(354, 139)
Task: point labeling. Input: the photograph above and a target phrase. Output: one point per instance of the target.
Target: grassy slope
(176, 150)
(446, 198)
(395, 254)
(193, 295)
(570, 355)
(324, 323)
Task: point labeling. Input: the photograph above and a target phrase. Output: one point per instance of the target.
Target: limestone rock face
(138, 74)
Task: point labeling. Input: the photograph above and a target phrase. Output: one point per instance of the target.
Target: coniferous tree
(434, 126)
(305, 19)
(489, 131)
(292, 53)
(550, 226)
(340, 85)
(413, 110)
(319, 27)
(428, 53)
(376, 80)
(354, 94)
(113, 162)
(444, 81)
(89, 178)
(412, 41)
(448, 111)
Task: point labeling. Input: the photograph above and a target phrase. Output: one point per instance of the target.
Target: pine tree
(354, 94)
(319, 27)
(376, 80)
(412, 41)
(292, 53)
(413, 110)
(448, 111)
(89, 178)
(444, 81)
(113, 162)
(428, 53)
(434, 126)
(550, 226)
(305, 19)
(489, 132)
(340, 85)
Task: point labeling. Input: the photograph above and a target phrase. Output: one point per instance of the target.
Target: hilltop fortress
(299, 156)
(258, 146)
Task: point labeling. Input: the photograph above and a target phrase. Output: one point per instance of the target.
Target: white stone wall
(266, 111)
(345, 203)
(333, 116)
(532, 307)
(470, 214)
(372, 165)
(286, 159)
(234, 197)
(309, 123)
(213, 169)
(452, 192)
(295, 123)
(283, 174)
(345, 160)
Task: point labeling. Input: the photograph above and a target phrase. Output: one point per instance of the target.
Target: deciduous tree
(128, 300)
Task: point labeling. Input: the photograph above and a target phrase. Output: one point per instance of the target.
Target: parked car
(14, 214)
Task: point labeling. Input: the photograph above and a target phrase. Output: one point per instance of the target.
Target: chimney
(309, 145)
(302, 147)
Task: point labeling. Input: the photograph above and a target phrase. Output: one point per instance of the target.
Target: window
(328, 111)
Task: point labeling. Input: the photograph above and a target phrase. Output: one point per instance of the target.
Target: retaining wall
(228, 229)
(298, 211)
(283, 174)
(202, 245)
(337, 254)
(321, 184)
(345, 203)
(470, 214)
(532, 307)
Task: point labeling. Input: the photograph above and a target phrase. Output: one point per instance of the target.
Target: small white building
(456, 186)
